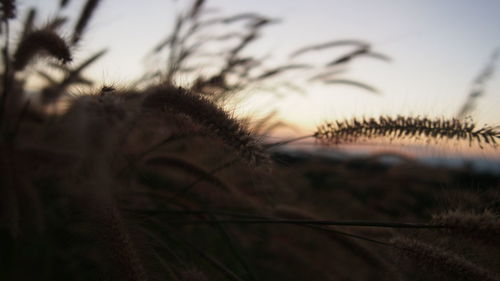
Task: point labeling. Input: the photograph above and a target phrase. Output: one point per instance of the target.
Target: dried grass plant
(405, 127)
(161, 182)
(450, 266)
(234, 71)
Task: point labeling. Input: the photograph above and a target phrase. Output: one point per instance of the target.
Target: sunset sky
(437, 48)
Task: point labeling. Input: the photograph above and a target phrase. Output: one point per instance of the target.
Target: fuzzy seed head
(39, 42)
(437, 260)
(215, 119)
(484, 226)
(405, 127)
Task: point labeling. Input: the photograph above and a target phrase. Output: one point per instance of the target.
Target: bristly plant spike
(405, 127)
(211, 116)
(41, 41)
(475, 225)
(435, 259)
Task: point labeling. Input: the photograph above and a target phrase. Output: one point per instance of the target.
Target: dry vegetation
(160, 182)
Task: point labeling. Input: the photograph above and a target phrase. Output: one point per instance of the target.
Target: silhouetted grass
(161, 182)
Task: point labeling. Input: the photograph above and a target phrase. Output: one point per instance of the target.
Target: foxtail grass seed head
(402, 127)
(483, 226)
(39, 42)
(209, 115)
(440, 261)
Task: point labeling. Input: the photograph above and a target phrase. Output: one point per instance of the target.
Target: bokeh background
(437, 49)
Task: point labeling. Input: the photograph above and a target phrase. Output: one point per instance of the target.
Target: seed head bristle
(402, 127)
(124, 249)
(55, 24)
(483, 226)
(37, 42)
(210, 116)
(440, 261)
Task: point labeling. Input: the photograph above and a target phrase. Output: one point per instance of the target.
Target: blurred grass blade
(84, 19)
(353, 83)
(331, 44)
(281, 69)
